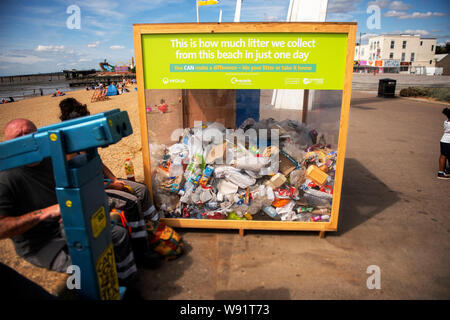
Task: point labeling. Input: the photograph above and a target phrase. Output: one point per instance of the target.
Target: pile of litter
(262, 170)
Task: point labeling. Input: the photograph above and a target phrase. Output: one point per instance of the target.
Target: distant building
(395, 53)
(443, 61)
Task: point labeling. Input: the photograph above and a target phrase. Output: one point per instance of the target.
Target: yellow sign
(207, 2)
(53, 137)
(98, 221)
(107, 275)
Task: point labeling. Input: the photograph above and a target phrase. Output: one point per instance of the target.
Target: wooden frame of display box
(347, 29)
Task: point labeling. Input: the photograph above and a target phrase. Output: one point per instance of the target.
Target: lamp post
(359, 50)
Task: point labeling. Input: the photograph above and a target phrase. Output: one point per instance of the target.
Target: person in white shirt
(445, 148)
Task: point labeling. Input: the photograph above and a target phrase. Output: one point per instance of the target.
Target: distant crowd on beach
(121, 86)
(102, 92)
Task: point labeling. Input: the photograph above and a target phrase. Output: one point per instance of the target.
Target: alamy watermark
(234, 147)
(74, 20)
(374, 20)
(74, 280)
(374, 281)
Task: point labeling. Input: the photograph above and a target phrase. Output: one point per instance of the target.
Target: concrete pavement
(394, 214)
(369, 82)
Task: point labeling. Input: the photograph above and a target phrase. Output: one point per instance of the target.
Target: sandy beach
(44, 111)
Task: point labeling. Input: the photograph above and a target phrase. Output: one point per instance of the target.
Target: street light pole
(359, 49)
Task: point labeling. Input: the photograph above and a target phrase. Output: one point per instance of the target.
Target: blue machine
(80, 190)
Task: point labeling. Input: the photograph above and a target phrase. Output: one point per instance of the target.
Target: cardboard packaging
(316, 175)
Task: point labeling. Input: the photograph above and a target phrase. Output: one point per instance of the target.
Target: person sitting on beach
(131, 197)
(30, 215)
(58, 93)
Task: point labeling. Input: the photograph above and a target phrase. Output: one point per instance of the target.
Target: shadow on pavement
(363, 196)
(365, 100)
(259, 293)
(160, 284)
(364, 108)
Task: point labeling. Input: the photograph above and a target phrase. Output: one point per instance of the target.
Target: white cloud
(415, 15)
(419, 32)
(50, 48)
(93, 45)
(342, 6)
(365, 37)
(419, 15)
(101, 8)
(257, 12)
(29, 59)
(413, 32)
(117, 47)
(339, 17)
(381, 3)
(100, 33)
(399, 5)
(394, 13)
(84, 60)
(368, 36)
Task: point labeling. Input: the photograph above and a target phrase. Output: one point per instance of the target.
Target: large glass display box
(244, 125)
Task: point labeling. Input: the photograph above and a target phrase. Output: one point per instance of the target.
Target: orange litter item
(280, 202)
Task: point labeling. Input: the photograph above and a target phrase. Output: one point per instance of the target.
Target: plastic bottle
(270, 211)
(320, 218)
(129, 169)
(270, 194)
(176, 168)
(206, 175)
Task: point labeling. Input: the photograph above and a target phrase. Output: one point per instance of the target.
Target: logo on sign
(315, 81)
(241, 81)
(167, 80)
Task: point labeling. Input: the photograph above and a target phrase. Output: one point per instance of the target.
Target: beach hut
(112, 90)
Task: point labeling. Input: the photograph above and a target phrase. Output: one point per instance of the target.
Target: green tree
(443, 49)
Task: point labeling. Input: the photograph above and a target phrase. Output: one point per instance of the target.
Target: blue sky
(34, 37)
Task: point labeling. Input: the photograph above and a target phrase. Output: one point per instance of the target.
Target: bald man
(31, 217)
(19, 127)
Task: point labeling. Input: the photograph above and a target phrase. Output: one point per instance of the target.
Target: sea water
(21, 91)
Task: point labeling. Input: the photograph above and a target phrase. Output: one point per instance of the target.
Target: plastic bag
(240, 179)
